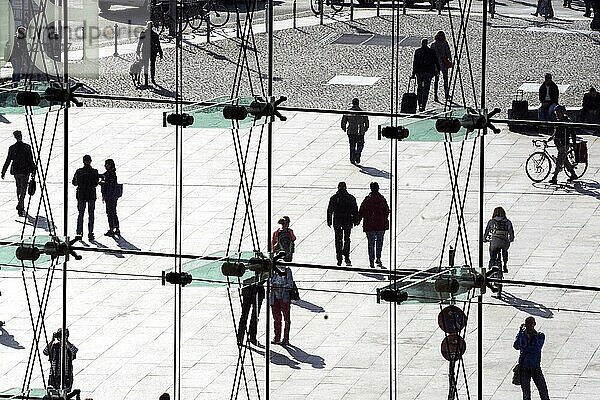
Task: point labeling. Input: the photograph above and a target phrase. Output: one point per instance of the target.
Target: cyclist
(562, 137)
(499, 232)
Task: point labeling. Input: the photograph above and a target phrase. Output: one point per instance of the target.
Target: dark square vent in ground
(377, 40)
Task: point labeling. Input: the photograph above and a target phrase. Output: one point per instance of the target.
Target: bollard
(267, 16)
(238, 24)
(294, 14)
(320, 12)
(116, 53)
(208, 27)
(351, 10)
(83, 42)
(378, 6)
(403, 6)
(440, 6)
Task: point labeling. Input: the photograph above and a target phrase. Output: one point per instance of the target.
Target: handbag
(447, 63)
(31, 187)
(516, 379)
(118, 190)
(294, 294)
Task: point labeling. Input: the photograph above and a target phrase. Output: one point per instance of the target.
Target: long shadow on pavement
(528, 306)
(377, 173)
(308, 306)
(124, 244)
(41, 222)
(298, 355)
(589, 188)
(277, 358)
(8, 340)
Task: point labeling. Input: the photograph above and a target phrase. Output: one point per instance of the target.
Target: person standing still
(110, 196)
(342, 212)
(53, 351)
(252, 297)
(425, 67)
(20, 159)
(282, 283)
(19, 57)
(355, 127)
(442, 50)
(374, 213)
(529, 342)
(149, 47)
(283, 239)
(548, 96)
(563, 136)
(86, 179)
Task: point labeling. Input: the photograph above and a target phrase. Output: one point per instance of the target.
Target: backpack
(284, 241)
(500, 229)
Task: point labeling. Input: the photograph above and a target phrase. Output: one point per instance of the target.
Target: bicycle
(539, 163)
(192, 15)
(336, 5)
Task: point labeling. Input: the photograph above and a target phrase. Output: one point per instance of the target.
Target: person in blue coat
(529, 342)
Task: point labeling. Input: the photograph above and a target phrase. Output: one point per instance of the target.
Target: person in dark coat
(110, 196)
(355, 127)
(590, 110)
(442, 51)
(19, 57)
(342, 212)
(529, 342)
(252, 297)
(86, 179)
(149, 47)
(425, 67)
(548, 95)
(374, 212)
(53, 351)
(20, 159)
(562, 137)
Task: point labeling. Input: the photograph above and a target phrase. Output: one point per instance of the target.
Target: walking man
(342, 212)
(252, 297)
(425, 67)
(355, 127)
(529, 342)
(149, 47)
(563, 136)
(86, 179)
(20, 159)
(374, 212)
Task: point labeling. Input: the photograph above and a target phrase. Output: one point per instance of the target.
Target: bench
(532, 113)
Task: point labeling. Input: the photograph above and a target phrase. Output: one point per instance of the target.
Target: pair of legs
(375, 244)
(545, 111)
(436, 81)
(149, 60)
(544, 7)
(423, 85)
(561, 160)
(357, 143)
(281, 309)
(252, 297)
(21, 180)
(81, 206)
(111, 214)
(342, 242)
(538, 378)
(495, 252)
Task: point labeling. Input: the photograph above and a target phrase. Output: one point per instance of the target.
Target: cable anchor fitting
(176, 278)
(54, 248)
(260, 108)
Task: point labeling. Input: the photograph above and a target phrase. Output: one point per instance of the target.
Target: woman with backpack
(499, 232)
(283, 239)
(111, 191)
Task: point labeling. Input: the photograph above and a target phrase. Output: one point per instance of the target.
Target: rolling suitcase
(409, 100)
(520, 109)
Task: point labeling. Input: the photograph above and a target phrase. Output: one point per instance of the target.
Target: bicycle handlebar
(536, 142)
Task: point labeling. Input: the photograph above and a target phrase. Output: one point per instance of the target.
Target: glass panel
(423, 129)
(9, 260)
(8, 98)
(208, 272)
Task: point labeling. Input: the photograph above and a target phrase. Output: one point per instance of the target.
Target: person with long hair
(499, 232)
(442, 51)
(110, 196)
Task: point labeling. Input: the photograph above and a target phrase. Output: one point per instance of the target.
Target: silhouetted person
(548, 95)
(149, 47)
(425, 67)
(110, 196)
(342, 212)
(442, 50)
(355, 127)
(529, 342)
(590, 110)
(19, 57)
(53, 351)
(86, 179)
(282, 283)
(374, 213)
(164, 396)
(252, 297)
(563, 136)
(20, 159)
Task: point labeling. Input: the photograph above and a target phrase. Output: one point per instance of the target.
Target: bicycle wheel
(314, 6)
(578, 168)
(195, 17)
(538, 166)
(336, 5)
(158, 22)
(219, 14)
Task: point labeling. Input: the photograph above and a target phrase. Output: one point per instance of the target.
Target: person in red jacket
(374, 213)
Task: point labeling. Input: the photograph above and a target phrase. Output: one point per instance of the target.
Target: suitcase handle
(519, 95)
(408, 86)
